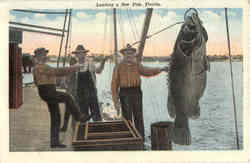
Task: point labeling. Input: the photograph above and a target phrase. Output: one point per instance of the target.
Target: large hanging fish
(187, 77)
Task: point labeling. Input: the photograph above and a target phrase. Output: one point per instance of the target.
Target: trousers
(131, 105)
(87, 95)
(52, 97)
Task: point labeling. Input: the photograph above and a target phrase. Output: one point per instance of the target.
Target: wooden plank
(111, 144)
(114, 138)
(105, 123)
(35, 31)
(136, 131)
(84, 144)
(76, 130)
(130, 129)
(40, 12)
(109, 147)
(107, 133)
(108, 140)
(110, 137)
(86, 131)
(36, 26)
(107, 128)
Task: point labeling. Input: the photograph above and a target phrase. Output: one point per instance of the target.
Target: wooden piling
(159, 136)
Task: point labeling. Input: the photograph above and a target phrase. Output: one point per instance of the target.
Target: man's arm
(100, 68)
(148, 71)
(59, 71)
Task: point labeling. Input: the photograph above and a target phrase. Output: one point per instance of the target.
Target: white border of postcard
(125, 157)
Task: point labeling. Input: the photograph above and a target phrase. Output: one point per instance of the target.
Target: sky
(93, 28)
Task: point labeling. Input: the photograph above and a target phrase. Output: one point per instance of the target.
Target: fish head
(191, 34)
(189, 31)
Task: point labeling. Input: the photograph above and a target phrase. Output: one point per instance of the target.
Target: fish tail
(171, 106)
(180, 133)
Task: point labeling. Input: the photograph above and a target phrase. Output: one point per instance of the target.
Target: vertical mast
(67, 39)
(58, 59)
(144, 33)
(115, 36)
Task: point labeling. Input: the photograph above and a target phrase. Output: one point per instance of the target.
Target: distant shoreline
(214, 58)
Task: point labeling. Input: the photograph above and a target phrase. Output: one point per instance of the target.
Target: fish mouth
(188, 40)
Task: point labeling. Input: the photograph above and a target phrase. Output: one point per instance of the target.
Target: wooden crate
(113, 135)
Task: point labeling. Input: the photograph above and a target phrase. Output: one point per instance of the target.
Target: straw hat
(128, 50)
(39, 52)
(80, 50)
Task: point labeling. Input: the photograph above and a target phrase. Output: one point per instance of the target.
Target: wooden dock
(30, 125)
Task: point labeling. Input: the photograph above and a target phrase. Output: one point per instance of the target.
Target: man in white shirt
(86, 83)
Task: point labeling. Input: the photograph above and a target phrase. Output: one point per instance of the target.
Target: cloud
(12, 17)
(91, 32)
(229, 14)
(100, 17)
(25, 20)
(209, 16)
(39, 16)
(82, 15)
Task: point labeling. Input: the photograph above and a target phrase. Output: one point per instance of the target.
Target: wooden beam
(35, 31)
(144, 33)
(36, 26)
(39, 12)
(86, 131)
(61, 43)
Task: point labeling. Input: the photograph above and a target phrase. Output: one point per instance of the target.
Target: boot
(84, 118)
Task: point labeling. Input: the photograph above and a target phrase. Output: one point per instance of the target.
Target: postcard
(124, 81)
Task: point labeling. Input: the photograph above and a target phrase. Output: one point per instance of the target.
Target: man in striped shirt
(126, 86)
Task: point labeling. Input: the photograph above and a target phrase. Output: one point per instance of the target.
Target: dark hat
(80, 49)
(40, 52)
(129, 48)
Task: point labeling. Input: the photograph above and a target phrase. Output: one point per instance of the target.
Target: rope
(231, 70)
(105, 31)
(149, 36)
(133, 21)
(121, 27)
(70, 38)
(129, 20)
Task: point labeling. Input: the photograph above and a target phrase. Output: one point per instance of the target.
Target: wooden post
(15, 69)
(159, 136)
(144, 33)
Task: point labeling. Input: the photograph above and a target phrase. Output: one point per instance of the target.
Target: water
(214, 130)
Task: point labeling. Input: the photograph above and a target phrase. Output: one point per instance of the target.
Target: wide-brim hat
(39, 52)
(128, 50)
(80, 50)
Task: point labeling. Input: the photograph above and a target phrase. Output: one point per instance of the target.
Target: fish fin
(195, 112)
(171, 106)
(207, 64)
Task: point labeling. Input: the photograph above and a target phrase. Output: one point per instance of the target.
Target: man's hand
(166, 69)
(118, 108)
(106, 58)
(78, 67)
